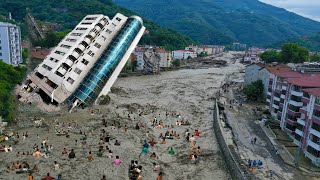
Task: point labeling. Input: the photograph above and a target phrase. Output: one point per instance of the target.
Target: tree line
(290, 53)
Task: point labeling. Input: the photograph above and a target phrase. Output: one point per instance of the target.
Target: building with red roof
(293, 99)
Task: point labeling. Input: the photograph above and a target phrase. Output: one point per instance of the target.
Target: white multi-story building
(10, 44)
(208, 49)
(183, 54)
(165, 57)
(85, 64)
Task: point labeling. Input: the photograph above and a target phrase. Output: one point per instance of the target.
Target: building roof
(161, 50)
(40, 54)
(183, 51)
(306, 80)
(280, 68)
(312, 91)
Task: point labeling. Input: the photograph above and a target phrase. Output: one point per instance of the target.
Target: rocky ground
(187, 92)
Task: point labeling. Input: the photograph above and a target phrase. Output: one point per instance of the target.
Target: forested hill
(312, 42)
(224, 21)
(69, 12)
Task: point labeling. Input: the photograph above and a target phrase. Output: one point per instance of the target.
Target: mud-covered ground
(187, 92)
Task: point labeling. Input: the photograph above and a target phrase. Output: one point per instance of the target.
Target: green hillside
(69, 13)
(312, 42)
(224, 21)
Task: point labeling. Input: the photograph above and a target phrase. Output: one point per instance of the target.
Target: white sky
(306, 8)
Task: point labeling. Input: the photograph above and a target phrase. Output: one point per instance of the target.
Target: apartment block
(85, 64)
(209, 49)
(183, 54)
(294, 101)
(10, 44)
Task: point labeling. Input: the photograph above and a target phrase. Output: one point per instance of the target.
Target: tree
(203, 54)
(176, 63)
(315, 57)
(291, 52)
(254, 90)
(270, 56)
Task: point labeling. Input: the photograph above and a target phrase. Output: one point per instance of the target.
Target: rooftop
(312, 80)
(312, 91)
(183, 51)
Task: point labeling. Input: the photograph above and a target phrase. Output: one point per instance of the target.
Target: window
(71, 40)
(97, 45)
(317, 101)
(85, 62)
(81, 28)
(86, 23)
(76, 34)
(315, 126)
(109, 31)
(65, 46)
(46, 67)
(60, 53)
(316, 113)
(39, 75)
(91, 53)
(77, 70)
(91, 18)
(53, 59)
(70, 80)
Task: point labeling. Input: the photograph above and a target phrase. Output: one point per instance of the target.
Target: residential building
(294, 101)
(10, 44)
(165, 57)
(208, 49)
(262, 72)
(138, 52)
(86, 63)
(183, 54)
(236, 46)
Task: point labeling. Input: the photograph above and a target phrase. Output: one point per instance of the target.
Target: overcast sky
(306, 8)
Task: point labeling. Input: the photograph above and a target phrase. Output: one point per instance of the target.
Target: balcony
(305, 100)
(298, 131)
(268, 100)
(269, 93)
(284, 87)
(62, 71)
(314, 132)
(297, 93)
(276, 98)
(303, 110)
(275, 106)
(295, 103)
(292, 122)
(281, 105)
(293, 113)
(317, 107)
(314, 145)
(282, 96)
(288, 131)
(279, 113)
(301, 121)
(314, 159)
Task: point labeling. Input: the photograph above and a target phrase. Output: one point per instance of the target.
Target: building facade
(183, 54)
(10, 44)
(165, 57)
(85, 64)
(208, 49)
(294, 101)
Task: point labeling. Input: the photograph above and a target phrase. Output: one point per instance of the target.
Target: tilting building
(86, 63)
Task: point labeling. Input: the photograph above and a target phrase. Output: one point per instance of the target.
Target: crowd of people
(167, 126)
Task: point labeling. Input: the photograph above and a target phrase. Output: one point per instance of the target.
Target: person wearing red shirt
(152, 143)
(196, 133)
(48, 177)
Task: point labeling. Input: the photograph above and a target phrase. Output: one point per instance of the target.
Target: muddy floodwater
(186, 92)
